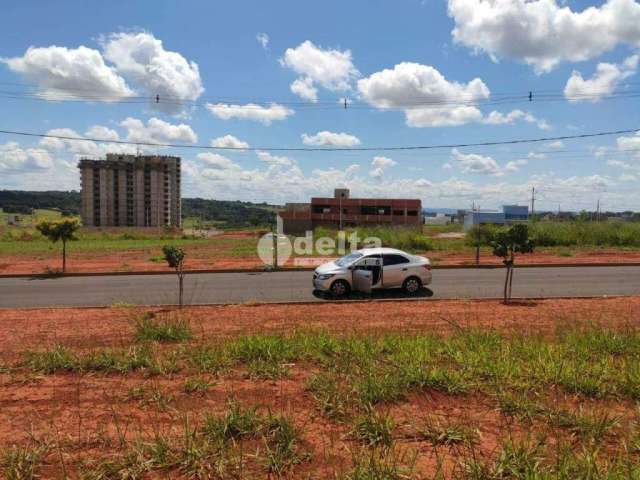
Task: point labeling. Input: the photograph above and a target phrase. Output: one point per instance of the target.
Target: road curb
(328, 302)
(306, 269)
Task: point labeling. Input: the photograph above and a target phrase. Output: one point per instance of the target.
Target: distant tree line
(232, 213)
(17, 201)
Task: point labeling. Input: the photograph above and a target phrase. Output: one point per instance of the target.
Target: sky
(253, 75)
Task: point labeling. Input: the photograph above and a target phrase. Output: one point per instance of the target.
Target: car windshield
(348, 259)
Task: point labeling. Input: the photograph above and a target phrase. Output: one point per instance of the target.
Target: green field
(31, 220)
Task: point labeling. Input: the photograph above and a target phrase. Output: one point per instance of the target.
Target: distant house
(509, 214)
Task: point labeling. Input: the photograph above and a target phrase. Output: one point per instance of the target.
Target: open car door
(363, 274)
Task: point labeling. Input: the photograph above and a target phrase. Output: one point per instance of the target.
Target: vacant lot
(25, 251)
(356, 391)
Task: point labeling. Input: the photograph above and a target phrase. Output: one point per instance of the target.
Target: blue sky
(271, 74)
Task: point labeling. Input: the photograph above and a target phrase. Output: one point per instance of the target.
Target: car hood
(330, 267)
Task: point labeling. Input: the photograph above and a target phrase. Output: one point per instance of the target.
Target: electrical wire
(57, 94)
(325, 149)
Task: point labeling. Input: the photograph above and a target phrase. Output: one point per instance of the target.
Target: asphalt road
(296, 286)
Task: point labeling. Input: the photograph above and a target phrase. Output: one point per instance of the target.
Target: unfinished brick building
(130, 191)
(342, 211)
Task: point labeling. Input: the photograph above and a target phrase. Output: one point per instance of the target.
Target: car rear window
(394, 259)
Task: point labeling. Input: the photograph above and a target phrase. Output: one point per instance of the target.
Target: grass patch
(438, 432)
(173, 327)
(577, 233)
(374, 429)
(22, 462)
(408, 239)
(235, 424)
(587, 424)
(197, 385)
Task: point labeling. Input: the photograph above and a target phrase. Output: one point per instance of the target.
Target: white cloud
(61, 72)
(330, 68)
(326, 138)
(100, 132)
(542, 33)
(157, 131)
(536, 156)
(297, 186)
(476, 164)
(556, 145)
(303, 87)
(250, 111)
(382, 162)
(82, 72)
(499, 118)
(263, 40)
(627, 167)
(216, 161)
(514, 165)
(630, 143)
(273, 159)
(15, 159)
(77, 147)
(408, 85)
(603, 82)
(228, 141)
(423, 183)
(627, 177)
(377, 172)
(142, 57)
(447, 166)
(379, 164)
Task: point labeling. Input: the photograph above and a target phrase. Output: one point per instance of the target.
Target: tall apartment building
(130, 191)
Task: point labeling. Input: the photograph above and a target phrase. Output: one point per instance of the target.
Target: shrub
(409, 239)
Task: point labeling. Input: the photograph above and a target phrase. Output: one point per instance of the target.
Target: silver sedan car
(372, 269)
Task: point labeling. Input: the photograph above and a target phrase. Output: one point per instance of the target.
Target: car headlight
(325, 276)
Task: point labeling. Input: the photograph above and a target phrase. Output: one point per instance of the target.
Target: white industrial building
(509, 214)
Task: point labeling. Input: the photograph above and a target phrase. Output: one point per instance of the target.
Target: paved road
(289, 286)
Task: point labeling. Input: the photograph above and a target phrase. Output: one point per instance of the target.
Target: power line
(76, 94)
(325, 149)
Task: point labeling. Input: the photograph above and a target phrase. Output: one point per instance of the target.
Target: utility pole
(598, 211)
(533, 200)
(340, 210)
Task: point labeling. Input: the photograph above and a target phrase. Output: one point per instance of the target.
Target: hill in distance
(227, 213)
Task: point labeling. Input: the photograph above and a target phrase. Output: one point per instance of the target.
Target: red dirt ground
(22, 329)
(137, 261)
(86, 415)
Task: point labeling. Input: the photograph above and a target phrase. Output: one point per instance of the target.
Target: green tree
(174, 257)
(506, 244)
(63, 230)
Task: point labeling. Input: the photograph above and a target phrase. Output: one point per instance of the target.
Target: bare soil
(211, 258)
(89, 415)
(24, 329)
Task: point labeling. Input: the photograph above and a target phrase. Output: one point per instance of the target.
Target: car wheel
(411, 285)
(339, 288)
